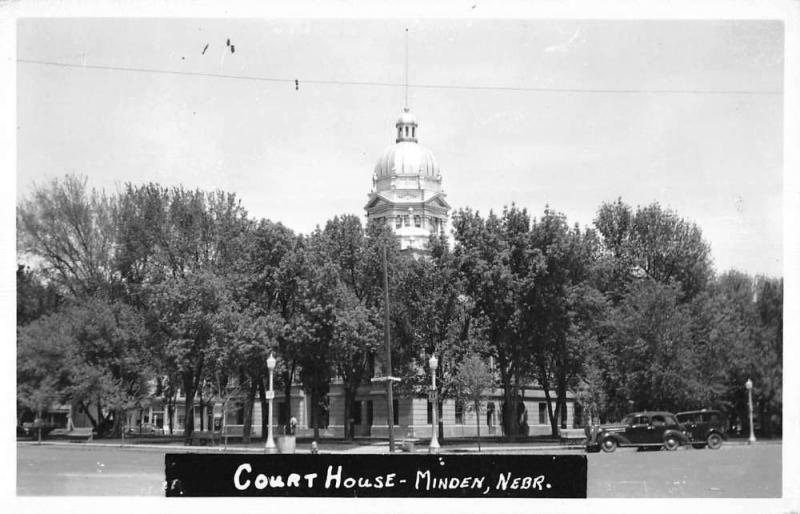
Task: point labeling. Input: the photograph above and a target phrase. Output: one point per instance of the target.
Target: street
(734, 471)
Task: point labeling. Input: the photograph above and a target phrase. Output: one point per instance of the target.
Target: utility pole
(389, 379)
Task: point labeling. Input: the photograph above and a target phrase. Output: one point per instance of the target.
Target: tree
(738, 333)
(356, 254)
(187, 326)
(496, 262)
(35, 298)
(656, 243)
(94, 359)
(41, 354)
(474, 380)
(175, 249)
(559, 307)
(70, 231)
(651, 342)
(432, 316)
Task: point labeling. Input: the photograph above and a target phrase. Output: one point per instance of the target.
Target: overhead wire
(294, 81)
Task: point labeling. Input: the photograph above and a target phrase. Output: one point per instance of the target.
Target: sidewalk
(345, 447)
(363, 446)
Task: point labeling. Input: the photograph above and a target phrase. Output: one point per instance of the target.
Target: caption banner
(424, 476)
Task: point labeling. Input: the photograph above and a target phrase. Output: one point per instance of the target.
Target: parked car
(706, 428)
(645, 430)
(31, 429)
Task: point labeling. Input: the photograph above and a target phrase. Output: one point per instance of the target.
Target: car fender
(677, 434)
(617, 436)
(720, 433)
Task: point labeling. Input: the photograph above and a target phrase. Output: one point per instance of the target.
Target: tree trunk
(509, 408)
(188, 409)
(248, 412)
(170, 412)
(88, 415)
(262, 394)
(478, 421)
(118, 426)
(545, 383)
(348, 409)
(315, 415)
(101, 428)
(287, 394)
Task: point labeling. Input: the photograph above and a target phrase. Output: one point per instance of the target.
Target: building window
(405, 221)
(459, 412)
(398, 222)
(355, 412)
(417, 221)
(542, 413)
(413, 131)
(430, 413)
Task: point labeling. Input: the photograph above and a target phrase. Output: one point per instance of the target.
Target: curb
(379, 448)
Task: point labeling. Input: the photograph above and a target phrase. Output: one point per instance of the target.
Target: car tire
(714, 441)
(608, 445)
(671, 443)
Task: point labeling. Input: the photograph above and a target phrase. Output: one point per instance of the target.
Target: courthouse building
(406, 194)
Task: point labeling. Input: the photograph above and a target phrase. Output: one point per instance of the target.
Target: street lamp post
(270, 445)
(749, 386)
(434, 448)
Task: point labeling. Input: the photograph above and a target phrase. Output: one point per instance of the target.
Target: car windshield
(627, 420)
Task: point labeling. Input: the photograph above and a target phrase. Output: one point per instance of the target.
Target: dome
(409, 158)
(406, 118)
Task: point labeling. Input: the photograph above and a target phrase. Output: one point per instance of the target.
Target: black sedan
(645, 430)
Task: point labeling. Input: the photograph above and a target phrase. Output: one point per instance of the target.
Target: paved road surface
(734, 471)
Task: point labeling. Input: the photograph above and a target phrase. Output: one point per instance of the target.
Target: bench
(572, 435)
(84, 434)
(204, 438)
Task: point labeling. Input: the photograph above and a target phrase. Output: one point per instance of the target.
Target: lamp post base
(270, 447)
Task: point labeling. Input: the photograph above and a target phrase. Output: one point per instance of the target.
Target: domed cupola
(407, 189)
(407, 156)
(406, 126)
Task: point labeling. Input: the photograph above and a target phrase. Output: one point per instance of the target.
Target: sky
(565, 113)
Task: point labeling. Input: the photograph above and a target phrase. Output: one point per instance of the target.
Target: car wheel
(714, 441)
(609, 445)
(671, 443)
(699, 446)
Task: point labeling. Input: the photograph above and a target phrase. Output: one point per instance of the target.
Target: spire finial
(406, 103)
